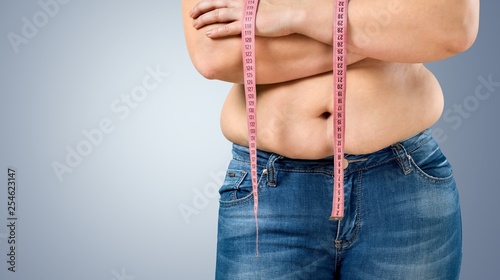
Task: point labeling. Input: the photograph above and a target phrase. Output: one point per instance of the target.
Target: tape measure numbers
(339, 74)
(248, 52)
(339, 88)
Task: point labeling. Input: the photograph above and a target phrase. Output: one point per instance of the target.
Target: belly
(385, 103)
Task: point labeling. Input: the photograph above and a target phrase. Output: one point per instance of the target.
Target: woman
(402, 214)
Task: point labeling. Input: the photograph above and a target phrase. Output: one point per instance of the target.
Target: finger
(216, 16)
(205, 6)
(233, 28)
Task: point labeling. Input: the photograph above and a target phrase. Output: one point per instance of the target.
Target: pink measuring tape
(339, 71)
(248, 51)
(339, 88)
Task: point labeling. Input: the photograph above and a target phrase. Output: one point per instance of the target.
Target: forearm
(396, 30)
(277, 59)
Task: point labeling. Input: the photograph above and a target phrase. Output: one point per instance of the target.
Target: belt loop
(403, 158)
(271, 171)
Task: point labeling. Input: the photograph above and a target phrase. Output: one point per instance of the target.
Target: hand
(274, 17)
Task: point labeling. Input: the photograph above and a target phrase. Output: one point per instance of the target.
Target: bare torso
(385, 102)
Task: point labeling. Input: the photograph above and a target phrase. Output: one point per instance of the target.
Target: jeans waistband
(398, 150)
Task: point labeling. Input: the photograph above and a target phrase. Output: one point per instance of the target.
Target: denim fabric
(402, 217)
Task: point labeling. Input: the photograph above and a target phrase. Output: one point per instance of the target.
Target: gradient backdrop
(115, 143)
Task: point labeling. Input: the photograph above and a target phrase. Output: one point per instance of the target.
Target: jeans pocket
(235, 188)
(432, 165)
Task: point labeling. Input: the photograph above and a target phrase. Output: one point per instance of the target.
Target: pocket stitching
(240, 201)
(430, 178)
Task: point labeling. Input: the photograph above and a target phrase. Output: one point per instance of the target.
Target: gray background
(141, 203)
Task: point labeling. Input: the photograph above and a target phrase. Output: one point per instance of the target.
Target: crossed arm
(278, 59)
(294, 37)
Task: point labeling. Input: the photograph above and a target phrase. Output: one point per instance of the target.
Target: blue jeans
(402, 217)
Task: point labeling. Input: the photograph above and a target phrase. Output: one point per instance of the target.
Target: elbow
(213, 67)
(207, 71)
(205, 67)
(217, 60)
(463, 32)
(461, 40)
